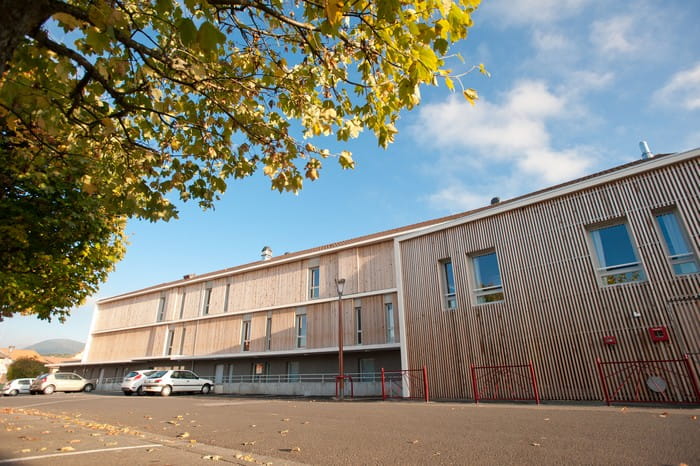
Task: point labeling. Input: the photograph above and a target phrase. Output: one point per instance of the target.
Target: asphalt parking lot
(113, 429)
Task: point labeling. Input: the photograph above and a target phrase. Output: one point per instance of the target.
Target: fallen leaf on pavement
(74, 441)
(535, 444)
(413, 441)
(184, 435)
(296, 449)
(284, 432)
(286, 419)
(25, 450)
(663, 414)
(211, 457)
(248, 443)
(66, 449)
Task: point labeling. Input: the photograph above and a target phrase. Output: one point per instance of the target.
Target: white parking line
(30, 458)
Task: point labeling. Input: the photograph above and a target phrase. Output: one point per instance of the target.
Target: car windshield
(149, 373)
(131, 374)
(157, 374)
(41, 376)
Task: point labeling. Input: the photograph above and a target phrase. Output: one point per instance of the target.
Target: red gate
(507, 383)
(415, 381)
(661, 381)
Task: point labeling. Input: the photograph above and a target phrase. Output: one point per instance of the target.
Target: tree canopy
(25, 368)
(111, 109)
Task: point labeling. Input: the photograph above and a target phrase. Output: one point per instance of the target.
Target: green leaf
(188, 31)
(209, 37)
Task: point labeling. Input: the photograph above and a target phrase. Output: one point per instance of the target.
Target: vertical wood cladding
(367, 268)
(554, 313)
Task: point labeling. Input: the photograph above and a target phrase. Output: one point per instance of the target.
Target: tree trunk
(17, 20)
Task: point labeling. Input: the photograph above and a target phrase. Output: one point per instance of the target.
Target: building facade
(550, 279)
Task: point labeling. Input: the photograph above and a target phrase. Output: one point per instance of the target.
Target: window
(207, 300)
(182, 341)
(680, 254)
(268, 334)
(314, 282)
(182, 305)
(226, 296)
(358, 325)
(487, 278)
(293, 371)
(161, 309)
(367, 370)
(169, 342)
(448, 284)
(245, 335)
(389, 310)
(301, 330)
(616, 257)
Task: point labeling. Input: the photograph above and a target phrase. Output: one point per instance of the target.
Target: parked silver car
(133, 381)
(60, 382)
(16, 386)
(167, 382)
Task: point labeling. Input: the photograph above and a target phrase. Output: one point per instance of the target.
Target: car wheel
(32, 392)
(206, 389)
(139, 391)
(14, 393)
(127, 392)
(88, 388)
(49, 390)
(166, 391)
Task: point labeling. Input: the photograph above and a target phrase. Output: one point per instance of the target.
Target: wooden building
(551, 278)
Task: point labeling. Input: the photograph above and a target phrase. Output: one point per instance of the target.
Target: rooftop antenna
(646, 153)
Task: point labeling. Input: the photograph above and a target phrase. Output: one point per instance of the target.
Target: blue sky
(574, 86)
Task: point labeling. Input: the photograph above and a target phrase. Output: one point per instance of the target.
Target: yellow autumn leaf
(334, 11)
(471, 95)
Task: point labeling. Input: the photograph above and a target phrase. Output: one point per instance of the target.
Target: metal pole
(425, 384)
(341, 368)
(474, 385)
(383, 392)
(534, 383)
(602, 381)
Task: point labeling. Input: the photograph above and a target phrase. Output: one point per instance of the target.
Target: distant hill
(57, 346)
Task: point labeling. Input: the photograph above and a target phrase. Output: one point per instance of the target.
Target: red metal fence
(661, 381)
(507, 383)
(415, 381)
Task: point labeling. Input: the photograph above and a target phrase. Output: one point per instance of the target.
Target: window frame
(358, 325)
(206, 302)
(481, 295)
(301, 330)
(160, 317)
(268, 333)
(390, 322)
(676, 259)
(169, 337)
(449, 300)
(314, 282)
(603, 271)
(246, 326)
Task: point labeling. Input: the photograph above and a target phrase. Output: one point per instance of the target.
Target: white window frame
(390, 322)
(603, 271)
(481, 294)
(160, 317)
(301, 330)
(314, 287)
(169, 337)
(246, 325)
(227, 295)
(449, 299)
(689, 257)
(206, 301)
(268, 333)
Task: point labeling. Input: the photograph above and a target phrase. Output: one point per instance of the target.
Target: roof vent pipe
(266, 253)
(495, 200)
(646, 153)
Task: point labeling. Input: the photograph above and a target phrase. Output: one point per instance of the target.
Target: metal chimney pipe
(646, 153)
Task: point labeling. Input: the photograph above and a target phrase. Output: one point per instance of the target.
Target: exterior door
(219, 374)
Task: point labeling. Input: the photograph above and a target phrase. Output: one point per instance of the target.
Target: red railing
(505, 383)
(660, 381)
(338, 378)
(414, 380)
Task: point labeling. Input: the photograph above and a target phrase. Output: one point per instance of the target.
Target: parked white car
(16, 386)
(167, 382)
(133, 381)
(60, 382)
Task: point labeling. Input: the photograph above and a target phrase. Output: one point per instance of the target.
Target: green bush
(25, 367)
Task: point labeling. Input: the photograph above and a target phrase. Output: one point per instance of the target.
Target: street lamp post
(340, 284)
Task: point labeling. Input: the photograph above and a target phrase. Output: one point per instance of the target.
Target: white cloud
(618, 35)
(507, 144)
(682, 89)
(526, 12)
(550, 41)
